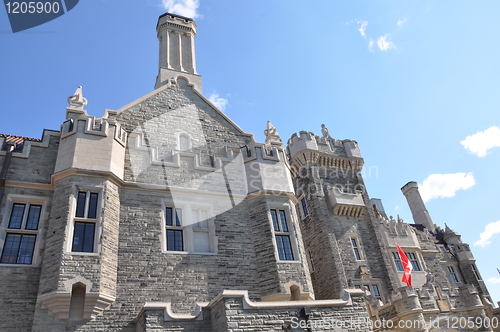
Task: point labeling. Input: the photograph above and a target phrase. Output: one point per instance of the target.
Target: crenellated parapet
(305, 147)
(88, 142)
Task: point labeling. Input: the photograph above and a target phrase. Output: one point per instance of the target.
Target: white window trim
(187, 227)
(4, 227)
(70, 228)
(291, 231)
(419, 259)
(186, 135)
(358, 246)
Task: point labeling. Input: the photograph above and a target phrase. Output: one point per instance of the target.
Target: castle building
(164, 215)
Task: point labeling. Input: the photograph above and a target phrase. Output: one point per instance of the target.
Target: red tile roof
(18, 139)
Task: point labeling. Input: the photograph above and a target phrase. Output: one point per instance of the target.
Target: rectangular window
(173, 217)
(355, 248)
(284, 247)
(19, 247)
(373, 289)
(453, 275)
(412, 257)
(86, 205)
(174, 240)
(397, 261)
(304, 207)
(16, 216)
(83, 237)
(475, 271)
(175, 235)
(282, 235)
(201, 230)
(84, 231)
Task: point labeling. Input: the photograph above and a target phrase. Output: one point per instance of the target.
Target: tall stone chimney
(417, 206)
(177, 58)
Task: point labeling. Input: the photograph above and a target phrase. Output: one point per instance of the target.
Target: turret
(450, 236)
(417, 206)
(177, 58)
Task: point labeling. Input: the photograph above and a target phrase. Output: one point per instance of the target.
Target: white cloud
(185, 8)
(403, 21)
(370, 45)
(362, 28)
(489, 230)
(384, 44)
(220, 102)
(480, 142)
(493, 281)
(445, 185)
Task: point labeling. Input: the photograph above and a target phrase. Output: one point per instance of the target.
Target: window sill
(171, 252)
(82, 253)
(18, 265)
(290, 262)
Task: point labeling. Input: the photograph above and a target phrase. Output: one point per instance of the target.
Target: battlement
(345, 152)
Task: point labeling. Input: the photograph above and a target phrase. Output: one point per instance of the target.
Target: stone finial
(271, 133)
(325, 132)
(77, 101)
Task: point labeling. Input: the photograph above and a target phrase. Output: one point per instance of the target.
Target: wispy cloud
(403, 21)
(445, 185)
(489, 230)
(362, 28)
(481, 142)
(370, 45)
(493, 281)
(218, 101)
(384, 44)
(187, 8)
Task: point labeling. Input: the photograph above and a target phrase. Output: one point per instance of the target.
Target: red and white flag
(407, 267)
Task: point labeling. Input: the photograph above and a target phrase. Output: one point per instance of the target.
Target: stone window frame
(452, 273)
(367, 285)
(97, 221)
(475, 272)
(415, 260)
(358, 255)
(291, 231)
(28, 200)
(187, 227)
(301, 213)
(189, 141)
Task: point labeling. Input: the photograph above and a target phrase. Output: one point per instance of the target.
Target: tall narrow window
(84, 231)
(475, 272)
(201, 230)
(355, 248)
(282, 235)
(304, 206)
(453, 275)
(184, 142)
(397, 261)
(175, 238)
(21, 234)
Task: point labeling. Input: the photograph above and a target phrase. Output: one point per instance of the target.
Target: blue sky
(408, 80)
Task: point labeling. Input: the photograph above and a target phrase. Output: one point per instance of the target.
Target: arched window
(77, 304)
(184, 142)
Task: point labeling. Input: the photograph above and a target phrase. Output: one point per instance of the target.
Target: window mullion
(87, 199)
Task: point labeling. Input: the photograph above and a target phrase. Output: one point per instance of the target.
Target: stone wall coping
(346, 300)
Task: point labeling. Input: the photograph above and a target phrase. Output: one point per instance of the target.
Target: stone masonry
(164, 215)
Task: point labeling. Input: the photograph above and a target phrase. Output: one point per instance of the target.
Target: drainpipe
(6, 162)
